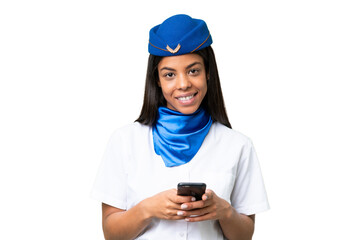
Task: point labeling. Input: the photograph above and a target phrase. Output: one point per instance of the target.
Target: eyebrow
(193, 64)
(189, 66)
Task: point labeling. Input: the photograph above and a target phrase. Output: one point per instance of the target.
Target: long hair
(213, 101)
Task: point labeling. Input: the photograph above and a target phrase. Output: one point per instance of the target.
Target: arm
(233, 224)
(238, 226)
(119, 224)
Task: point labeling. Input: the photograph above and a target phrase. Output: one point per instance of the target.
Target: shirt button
(181, 234)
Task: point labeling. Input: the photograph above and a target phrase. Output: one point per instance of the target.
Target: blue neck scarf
(178, 137)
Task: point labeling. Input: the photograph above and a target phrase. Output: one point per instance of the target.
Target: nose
(183, 82)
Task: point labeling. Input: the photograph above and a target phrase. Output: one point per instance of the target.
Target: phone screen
(191, 189)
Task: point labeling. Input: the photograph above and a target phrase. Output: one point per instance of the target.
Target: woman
(182, 135)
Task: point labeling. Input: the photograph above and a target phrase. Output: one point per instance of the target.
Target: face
(183, 82)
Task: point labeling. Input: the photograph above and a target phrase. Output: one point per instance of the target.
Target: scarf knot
(178, 137)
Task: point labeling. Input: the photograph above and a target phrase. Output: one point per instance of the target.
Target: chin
(187, 110)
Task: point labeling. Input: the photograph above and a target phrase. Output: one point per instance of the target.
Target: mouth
(186, 98)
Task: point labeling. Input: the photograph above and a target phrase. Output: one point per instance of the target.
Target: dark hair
(213, 101)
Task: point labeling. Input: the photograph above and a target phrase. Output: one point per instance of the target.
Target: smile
(186, 98)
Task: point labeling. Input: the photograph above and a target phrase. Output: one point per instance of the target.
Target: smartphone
(191, 189)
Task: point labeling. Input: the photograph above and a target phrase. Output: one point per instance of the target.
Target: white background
(73, 71)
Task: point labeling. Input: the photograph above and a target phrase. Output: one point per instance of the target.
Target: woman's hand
(165, 205)
(211, 207)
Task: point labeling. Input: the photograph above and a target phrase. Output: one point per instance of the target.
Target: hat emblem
(173, 50)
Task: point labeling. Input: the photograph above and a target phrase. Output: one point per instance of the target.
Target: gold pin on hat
(173, 50)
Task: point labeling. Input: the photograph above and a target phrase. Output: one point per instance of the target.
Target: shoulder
(124, 139)
(131, 130)
(229, 135)
(129, 134)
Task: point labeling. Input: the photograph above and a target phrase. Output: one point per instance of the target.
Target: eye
(169, 75)
(194, 71)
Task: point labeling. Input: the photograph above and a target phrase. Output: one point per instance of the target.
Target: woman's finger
(197, 212)
(205, 217)
(180, 199)
(209, 194)
(207, 200)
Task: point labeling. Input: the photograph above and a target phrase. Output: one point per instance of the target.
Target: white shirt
(131, 171)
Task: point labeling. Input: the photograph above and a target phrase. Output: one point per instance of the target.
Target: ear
(158, 83)
(207, 77)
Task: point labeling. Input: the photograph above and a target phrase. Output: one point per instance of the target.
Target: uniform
(226, 161)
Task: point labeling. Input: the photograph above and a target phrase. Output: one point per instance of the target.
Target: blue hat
(177, 35)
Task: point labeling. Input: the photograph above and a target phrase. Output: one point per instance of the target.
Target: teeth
(186, 98)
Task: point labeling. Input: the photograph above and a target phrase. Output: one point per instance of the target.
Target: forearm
(127, 224)
(119, 224)
(237, 226)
